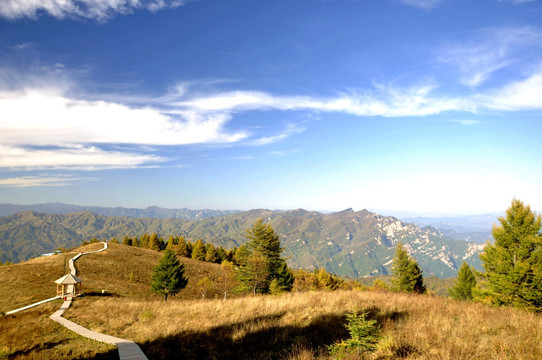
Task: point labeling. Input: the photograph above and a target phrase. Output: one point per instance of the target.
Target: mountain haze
(346, 243)
(148, 212)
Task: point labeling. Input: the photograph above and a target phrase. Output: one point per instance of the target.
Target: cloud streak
(100, 10)
(34, 181)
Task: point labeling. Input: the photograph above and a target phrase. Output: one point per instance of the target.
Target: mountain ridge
(347, 243)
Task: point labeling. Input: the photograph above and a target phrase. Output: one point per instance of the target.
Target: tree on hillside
(127, 240)
(155, 243)
(261, 263)
(211, 255)
(168, 276)
(205, 285)
(198, 253)
(465, 282)
(182, 248)
(241, 255)
(227, 277)
(407, 275)
(513, 265)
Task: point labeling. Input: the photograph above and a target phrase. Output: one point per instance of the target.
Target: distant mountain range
(148, 212)
(475, 228)
(348, 243)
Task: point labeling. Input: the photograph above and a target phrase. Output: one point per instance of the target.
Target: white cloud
(74, 157)
(422, 4)
(521, 95)
(90, 9)
(33, 181)
(490, 51)
(41, 118)
(389, 102)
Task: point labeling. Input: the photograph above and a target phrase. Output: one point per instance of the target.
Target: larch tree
(513, 264)
(465, 282)
(407, 275)
(168, 276)
(198, 253)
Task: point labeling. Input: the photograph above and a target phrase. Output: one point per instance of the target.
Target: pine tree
(513, 265)
(168, 276)
(261, 260)
(407, 275)
(198, 253)
(462, 289)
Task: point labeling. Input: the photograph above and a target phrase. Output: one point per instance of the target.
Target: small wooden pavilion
(64, 289)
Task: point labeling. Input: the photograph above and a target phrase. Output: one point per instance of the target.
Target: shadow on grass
(261, 337)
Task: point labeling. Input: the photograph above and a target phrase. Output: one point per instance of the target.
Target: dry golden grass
(293, 326)
(31, 281)
(301, 325)
(31, 334)
(125, 271)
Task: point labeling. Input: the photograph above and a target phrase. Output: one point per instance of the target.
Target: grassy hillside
(293, 326)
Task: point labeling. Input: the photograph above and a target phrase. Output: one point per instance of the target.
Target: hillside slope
(346, 243)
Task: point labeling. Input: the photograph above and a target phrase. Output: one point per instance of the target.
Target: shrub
(364, 335)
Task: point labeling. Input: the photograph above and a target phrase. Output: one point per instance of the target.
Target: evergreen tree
(144, 241)
(168, 276)
(126, 240)
(222, 255)
(198, 253)
(182, 247)
(407, 275)
(462, 289)
(513, 265)
(155, 243)
(172, 242)
(285, 278)
(211, 255)
(241, 255)
(262, 260)
(254, 275)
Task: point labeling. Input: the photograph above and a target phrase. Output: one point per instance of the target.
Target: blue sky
(428, 106)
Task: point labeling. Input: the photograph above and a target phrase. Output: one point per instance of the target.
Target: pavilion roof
(68, 279)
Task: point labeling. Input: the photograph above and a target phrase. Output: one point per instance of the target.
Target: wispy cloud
(466, 122)
(74, 157)
(34, 181)
(422, 4)
(490, 51)
(100, 10)
(290, 130)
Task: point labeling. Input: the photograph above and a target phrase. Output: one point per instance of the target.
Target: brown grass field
(291, 326)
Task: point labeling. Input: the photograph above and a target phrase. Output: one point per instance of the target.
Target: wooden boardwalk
(128, 350)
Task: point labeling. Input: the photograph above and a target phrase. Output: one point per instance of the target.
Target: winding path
(128, 350)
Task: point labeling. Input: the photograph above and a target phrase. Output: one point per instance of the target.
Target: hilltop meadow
(298, 325)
